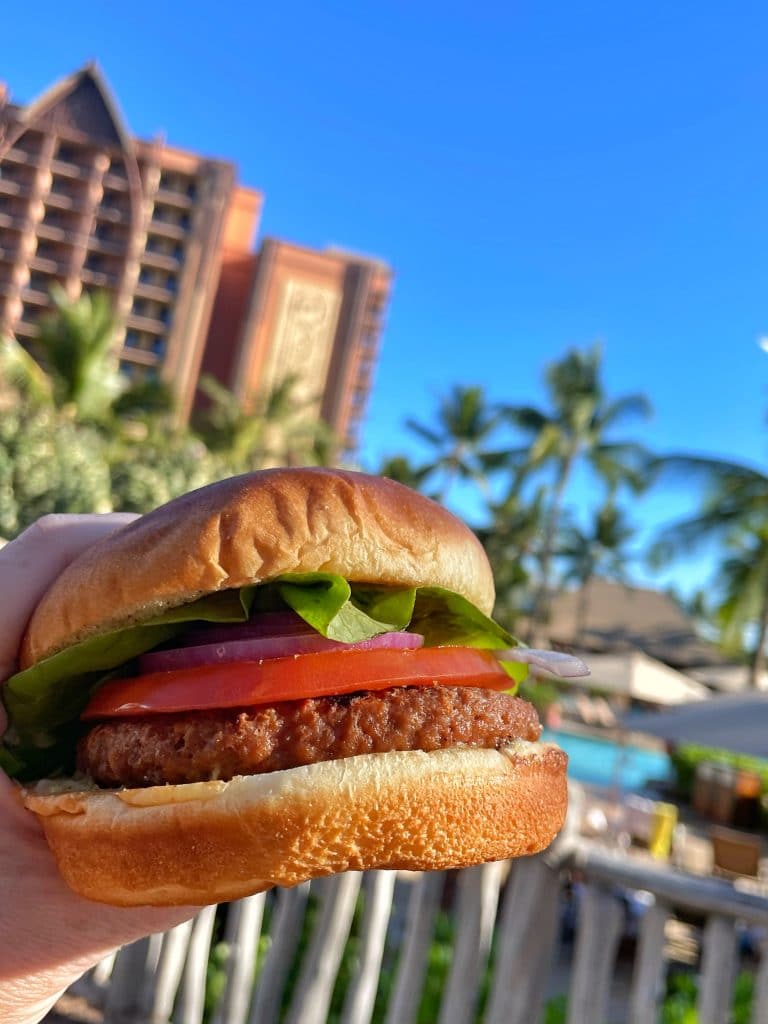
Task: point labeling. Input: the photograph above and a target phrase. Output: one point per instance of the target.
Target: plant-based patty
(197, 747)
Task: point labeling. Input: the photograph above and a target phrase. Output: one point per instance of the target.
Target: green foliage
(733, 513)
(147, 473)
(215, 977)
(679, 1006)
(77, 340)
(529, 456)
(280, 428)
(461, 441)
(556, 1010)
(686, 758)
(48, 463)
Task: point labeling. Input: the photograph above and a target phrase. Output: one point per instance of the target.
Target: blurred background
(511, 255)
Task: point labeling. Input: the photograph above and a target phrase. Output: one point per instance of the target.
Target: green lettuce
(44, 702)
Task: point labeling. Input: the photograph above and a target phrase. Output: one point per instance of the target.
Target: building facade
(314, 317)
(169, 234)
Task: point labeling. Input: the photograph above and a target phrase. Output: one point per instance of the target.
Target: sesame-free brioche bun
(216, 841)
(250, 529)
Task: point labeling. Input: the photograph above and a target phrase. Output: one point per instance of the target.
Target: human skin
(48, 935)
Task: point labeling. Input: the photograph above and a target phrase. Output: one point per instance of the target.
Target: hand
(48, 935)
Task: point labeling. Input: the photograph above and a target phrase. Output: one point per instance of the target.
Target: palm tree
(578, 427)
(401, 469)
(734, 512)
(279, 429)
(21, 375)
(77, 343)
(598, 551)
(744, 607)
(466, 423)
(511, 543)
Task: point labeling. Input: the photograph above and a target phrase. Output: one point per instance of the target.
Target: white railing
(515, 907)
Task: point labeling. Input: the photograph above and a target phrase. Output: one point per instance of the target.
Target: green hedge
(686, 758)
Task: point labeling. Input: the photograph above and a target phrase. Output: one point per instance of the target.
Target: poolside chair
(736, 853)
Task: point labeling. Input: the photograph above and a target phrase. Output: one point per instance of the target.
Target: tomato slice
(244, 683)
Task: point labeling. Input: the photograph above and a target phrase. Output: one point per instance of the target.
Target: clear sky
(539, 176)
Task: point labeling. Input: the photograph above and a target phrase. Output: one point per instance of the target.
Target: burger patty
(219, 745)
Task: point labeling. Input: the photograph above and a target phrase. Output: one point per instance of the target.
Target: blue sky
(539, 176)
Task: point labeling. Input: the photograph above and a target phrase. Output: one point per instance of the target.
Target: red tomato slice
(240, 684)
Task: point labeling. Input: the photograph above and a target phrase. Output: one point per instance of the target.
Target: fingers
(29, 564)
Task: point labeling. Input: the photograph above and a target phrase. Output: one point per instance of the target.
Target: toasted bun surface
(250, 529)
(216, 841)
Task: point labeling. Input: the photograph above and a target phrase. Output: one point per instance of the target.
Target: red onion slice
(265, 624)
(266, 648)
(557, 663)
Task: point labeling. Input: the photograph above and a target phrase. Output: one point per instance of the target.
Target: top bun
(250, 529)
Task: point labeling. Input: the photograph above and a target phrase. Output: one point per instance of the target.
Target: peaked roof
(620, 617)
(81, 102)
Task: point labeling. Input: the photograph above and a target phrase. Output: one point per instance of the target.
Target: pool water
(601, 762)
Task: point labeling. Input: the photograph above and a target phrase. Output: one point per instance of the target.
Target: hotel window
(94, 262)
(66, 153)
(38, 282)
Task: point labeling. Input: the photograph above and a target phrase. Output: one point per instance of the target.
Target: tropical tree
(577, 427)
(279, 428)
(733, 514)
(599, 550)
(462, 440)
(511, 541)
(22, 377)
(401, 469)
(743, 610)
(76, 345)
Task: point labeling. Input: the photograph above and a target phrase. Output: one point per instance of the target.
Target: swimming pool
(602, 762)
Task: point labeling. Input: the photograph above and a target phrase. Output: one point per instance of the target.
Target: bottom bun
(209, 842)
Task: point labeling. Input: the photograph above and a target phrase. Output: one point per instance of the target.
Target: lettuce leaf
(44, 702)
(341, 612)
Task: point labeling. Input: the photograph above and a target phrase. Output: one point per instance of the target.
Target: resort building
(169, 234)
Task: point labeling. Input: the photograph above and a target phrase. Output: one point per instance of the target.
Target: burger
(279, 676)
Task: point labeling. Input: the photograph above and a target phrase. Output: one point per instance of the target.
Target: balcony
(146, 323)
(109, 247)
(48, 264)
(180, 200)
(21, 156)
(115, 181)
(53, 232)
(157, 292)
(9, 187)
(167, 229)
(161, 260)
(14, 223)
(35, 296)
(67, 169)
(67, 201)
(99, 278)
(139, 355)
(112, 214)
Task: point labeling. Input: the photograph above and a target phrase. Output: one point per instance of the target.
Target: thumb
(31, 562)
